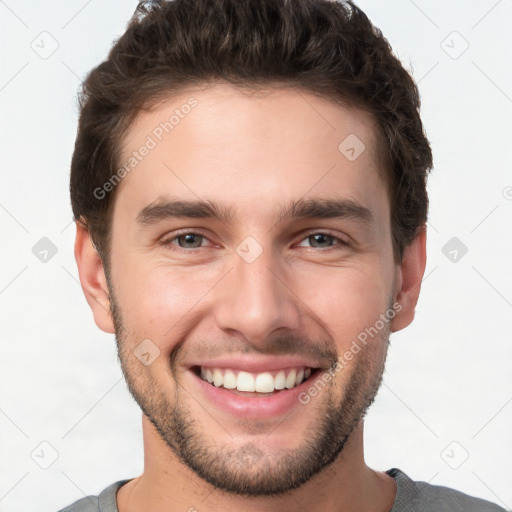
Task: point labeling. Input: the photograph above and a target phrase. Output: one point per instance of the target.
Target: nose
(255, 300)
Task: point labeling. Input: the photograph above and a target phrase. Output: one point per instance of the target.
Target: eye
(317, 240)
(188, 240)
(322, 240)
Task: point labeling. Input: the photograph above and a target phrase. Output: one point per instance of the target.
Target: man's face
(297, 264)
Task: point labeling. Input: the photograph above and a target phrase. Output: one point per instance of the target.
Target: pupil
(320, 238)
(189, 240)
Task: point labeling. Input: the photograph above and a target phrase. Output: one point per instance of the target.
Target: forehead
(250, 149)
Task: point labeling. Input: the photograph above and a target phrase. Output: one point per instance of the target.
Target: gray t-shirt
(411, 496)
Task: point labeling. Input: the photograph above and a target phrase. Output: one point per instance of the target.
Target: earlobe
(408, 282)
(92, 278)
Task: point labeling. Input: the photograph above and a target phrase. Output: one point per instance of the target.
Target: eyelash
(169, 241)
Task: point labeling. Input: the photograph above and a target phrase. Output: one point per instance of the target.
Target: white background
(447, 393)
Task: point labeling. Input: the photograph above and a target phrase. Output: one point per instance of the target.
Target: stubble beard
(247, 469)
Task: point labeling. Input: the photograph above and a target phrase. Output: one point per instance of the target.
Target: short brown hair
(326, 47)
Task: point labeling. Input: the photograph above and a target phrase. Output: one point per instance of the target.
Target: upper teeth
(264, 382)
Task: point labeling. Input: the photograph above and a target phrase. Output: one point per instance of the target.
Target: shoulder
(104, 502)
(415, 496)
(87, 504)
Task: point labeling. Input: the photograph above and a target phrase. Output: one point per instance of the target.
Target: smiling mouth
(255, 384)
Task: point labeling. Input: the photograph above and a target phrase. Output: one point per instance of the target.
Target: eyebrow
(199, 209)
(300, 209)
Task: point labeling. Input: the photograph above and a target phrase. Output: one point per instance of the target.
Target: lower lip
(254, 407)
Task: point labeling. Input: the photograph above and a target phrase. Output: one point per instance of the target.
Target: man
(248, 184)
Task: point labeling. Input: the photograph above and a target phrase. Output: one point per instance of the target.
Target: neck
(168, 485)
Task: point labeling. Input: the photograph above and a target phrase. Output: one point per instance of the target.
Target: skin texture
(306, 296)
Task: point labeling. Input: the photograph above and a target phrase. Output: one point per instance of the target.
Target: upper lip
(257, 364)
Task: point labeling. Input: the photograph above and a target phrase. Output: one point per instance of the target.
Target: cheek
(159, 302)
(165, 303)
(346, 300)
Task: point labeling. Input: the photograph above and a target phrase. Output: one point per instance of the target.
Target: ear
(92, 278)
(408, 280)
